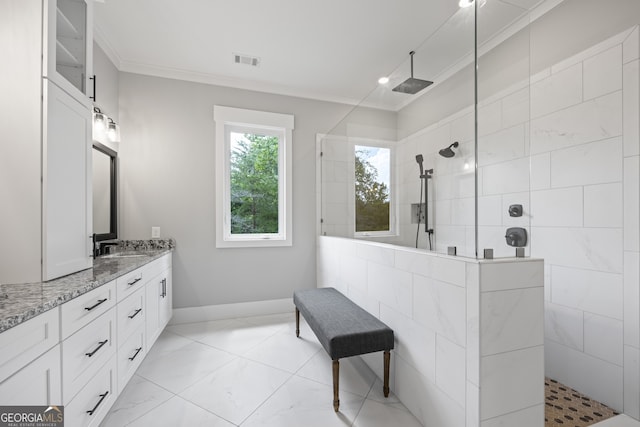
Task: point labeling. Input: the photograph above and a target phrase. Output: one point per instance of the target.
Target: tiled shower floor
(568, 408)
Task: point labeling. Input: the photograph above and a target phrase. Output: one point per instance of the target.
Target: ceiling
(332, 50)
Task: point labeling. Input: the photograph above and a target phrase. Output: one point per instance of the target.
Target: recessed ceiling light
(468, 3)
(383, 80)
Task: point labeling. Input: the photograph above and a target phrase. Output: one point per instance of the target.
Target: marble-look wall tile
(511, 320)
(528, 417)
(603, 205)
(473, 405)
(593, 163)
(557, 208)
(602, 381)
(603, 338)
(450, 369)
(495, 181)
(463, 128)
(598, 249)
(540, 171)
(632, 299)
(440, 307)
(558, 91)
(354, 272)
(500, 276)
(376, 254)
(414, 262)
(631, 193)
(415, 343)
(489, 118)
(508, 371)
(632, 381)
(361, 298)
(631, 108)
(515, 108)
(602, 73)
(490, 210)
(449, 270)
(425, 400)
(473, 323)
(391, 286)
(631, 46)
(587, 290)
(463, 211)
(506, 144)
(594, 120)
(564, 325)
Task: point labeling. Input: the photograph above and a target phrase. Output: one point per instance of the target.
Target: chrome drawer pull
(164, 288)
(136, 354)
(134, 281)
(100, 301)
(135, 313)
(95, 408)
(97, 348)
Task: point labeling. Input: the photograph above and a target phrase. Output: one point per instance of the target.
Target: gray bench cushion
(342, 327)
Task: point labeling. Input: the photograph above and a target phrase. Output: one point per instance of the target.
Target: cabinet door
(36, 384)
(67, 209)
(68, 41)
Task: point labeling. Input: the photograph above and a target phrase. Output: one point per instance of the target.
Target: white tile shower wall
(443, 311)
(568, 149)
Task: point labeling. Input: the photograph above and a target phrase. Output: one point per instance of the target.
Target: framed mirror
(105, 212)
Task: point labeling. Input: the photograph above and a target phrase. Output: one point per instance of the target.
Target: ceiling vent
(239, 58)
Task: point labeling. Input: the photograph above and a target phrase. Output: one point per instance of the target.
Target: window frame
(227, 120)
(393, 205)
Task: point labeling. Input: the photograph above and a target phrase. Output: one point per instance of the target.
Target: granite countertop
(24, 301)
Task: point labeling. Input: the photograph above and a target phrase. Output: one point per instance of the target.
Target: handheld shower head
(448, 152)
(419, 159)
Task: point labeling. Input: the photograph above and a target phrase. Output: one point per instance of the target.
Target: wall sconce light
(104, 128)
(113, 131)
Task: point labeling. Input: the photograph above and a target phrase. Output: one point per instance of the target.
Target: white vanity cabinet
(30, 362)
(47, 134)
(159, 298)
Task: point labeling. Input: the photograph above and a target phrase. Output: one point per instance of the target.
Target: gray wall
(167, 179)
(107, 77)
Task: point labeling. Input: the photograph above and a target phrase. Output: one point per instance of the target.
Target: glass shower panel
(503, 129)
(424, 185)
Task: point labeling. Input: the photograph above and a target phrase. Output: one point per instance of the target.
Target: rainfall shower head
(412, 85)
(419, 160)
(448, 152)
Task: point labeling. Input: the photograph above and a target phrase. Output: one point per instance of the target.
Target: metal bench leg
(387, 359)
(297, 322)
(336, 375)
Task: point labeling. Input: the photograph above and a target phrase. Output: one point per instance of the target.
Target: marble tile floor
(250, 372)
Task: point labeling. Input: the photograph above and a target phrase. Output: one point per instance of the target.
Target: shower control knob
(516, 237)
(515, 210)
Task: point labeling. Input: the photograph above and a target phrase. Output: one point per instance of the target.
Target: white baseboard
(231, 311)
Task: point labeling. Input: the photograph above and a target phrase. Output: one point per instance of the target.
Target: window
(373, 198)
(253, 174)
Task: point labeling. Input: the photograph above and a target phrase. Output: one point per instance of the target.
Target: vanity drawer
(131, 315)
(95, 399)
(85, 352)
(25, 342)
(130, 355)
(131, 282)
(80, 311)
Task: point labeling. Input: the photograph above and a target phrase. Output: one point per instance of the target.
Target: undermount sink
(122, 255)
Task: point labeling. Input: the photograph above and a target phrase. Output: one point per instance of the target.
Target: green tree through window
(254, 183)
(372, 193)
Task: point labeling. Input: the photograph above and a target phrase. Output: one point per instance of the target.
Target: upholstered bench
(344, 329)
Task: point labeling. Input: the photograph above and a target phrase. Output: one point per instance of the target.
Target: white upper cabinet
(68, 46)
(45, 154)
